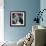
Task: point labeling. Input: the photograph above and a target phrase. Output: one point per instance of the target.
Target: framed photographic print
(17, 18)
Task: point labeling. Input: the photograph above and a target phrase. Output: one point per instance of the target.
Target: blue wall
(30, 6)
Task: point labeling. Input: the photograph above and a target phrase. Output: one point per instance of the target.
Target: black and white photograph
(17, 18)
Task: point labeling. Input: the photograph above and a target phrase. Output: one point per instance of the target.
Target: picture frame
(17, 18)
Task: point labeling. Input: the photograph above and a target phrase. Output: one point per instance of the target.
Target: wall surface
(30, 6)
(1, 21)
(43, 6)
